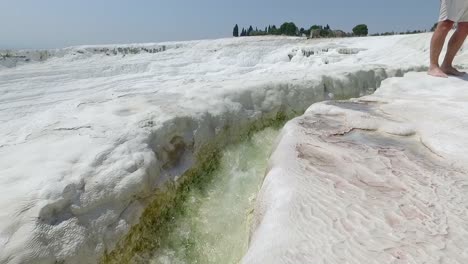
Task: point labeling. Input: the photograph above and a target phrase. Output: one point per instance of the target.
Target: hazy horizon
(57, 24)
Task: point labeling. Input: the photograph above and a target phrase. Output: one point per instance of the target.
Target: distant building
(315, 33)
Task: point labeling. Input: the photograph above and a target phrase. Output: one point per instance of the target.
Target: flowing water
(214, 227)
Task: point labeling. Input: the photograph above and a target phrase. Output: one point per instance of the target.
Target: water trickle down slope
(212, 225)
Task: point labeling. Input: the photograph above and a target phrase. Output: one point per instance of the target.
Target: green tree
(314, 27)
(289, 29)
(301, 31)
(243, 32)
(274, 30)
(433, 28)
(235, 32)
(325, 32)
(361, 30)
(249, 31)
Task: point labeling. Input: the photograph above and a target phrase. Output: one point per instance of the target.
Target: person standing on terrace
(451, 12)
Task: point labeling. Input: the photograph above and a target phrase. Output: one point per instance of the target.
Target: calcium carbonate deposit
(380, 179)
(95, 139)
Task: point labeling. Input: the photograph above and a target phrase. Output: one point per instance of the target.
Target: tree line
(290, 29)
(408, 32)
(315, 31)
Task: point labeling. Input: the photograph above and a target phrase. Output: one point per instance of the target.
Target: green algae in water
(213, 226)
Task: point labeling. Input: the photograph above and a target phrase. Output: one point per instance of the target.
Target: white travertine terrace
(89, 133)
(379, 179)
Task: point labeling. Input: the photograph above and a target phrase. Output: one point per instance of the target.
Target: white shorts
(454, 10)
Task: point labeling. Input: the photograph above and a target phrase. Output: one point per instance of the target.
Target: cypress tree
(235, 32)
(249, 31)
(243, 32)
(274, 30)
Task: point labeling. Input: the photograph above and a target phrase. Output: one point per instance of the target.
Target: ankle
(446, 66)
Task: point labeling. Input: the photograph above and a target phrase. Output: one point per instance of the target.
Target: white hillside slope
(380, 179)
(86, 136)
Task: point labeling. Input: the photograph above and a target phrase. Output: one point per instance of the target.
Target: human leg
(437, 43)
(454, 46)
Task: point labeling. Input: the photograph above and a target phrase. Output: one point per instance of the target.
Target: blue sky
(59, 23)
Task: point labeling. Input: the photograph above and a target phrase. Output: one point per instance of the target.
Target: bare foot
(449, 70)
(437, 72)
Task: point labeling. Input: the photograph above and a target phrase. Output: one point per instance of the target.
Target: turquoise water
(214, 227)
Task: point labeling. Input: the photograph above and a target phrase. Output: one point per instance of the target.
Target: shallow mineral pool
(215, 226)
